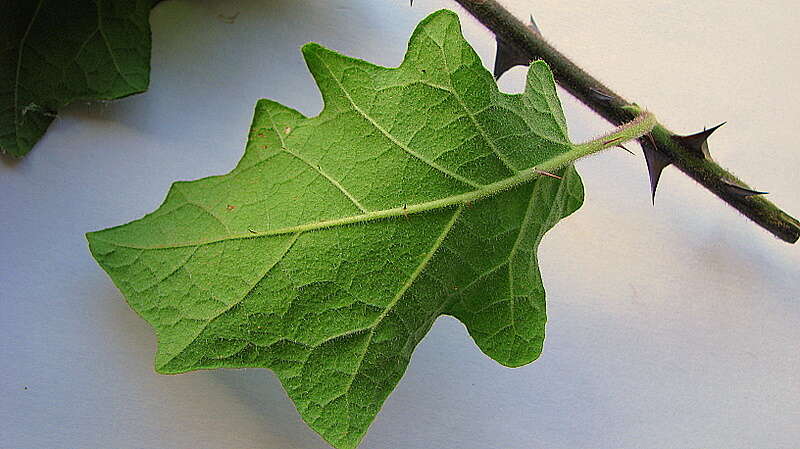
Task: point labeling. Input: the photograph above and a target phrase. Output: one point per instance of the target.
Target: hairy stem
(617, 110)
(640, 126)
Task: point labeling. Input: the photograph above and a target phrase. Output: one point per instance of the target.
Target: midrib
(632, 130)
(409, 209)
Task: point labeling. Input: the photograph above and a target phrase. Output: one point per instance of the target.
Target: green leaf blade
(329, 251)
(53, 53)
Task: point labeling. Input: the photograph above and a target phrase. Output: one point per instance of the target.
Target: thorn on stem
(656, 162)
(623, 147)
(697, 143)
(508, 56)
(533, 26)
(742, 191)
(599, 95)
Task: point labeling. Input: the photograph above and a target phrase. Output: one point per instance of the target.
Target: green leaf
(54, 52)
(333, 246)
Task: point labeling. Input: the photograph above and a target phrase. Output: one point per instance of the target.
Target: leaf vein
(391, 138)
(509, 165)
(237, 302)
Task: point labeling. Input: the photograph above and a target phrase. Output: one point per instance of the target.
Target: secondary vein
(391, 138)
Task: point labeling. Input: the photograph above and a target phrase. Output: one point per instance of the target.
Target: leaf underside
(55, 52)
(329, 251)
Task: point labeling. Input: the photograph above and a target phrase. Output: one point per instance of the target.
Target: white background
(674, 326)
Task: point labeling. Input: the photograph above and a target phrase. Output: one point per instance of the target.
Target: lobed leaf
(329, 251)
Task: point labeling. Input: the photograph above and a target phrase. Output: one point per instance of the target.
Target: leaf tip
(97, 247)
(444, 16)
(443, 13)
(311, 48)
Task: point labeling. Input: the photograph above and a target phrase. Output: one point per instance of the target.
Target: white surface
(674, 326)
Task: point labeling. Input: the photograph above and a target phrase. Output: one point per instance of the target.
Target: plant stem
(640, 126)
(617, 110)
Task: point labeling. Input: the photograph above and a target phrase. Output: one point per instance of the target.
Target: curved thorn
(697, 143)
(736, 189)
(507, 56)
(623, 147)
(602, 96)
(656, 163)
(533, 26)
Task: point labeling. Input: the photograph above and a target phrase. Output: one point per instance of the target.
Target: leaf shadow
(261, 393)
(452, 395)
(271, 418)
